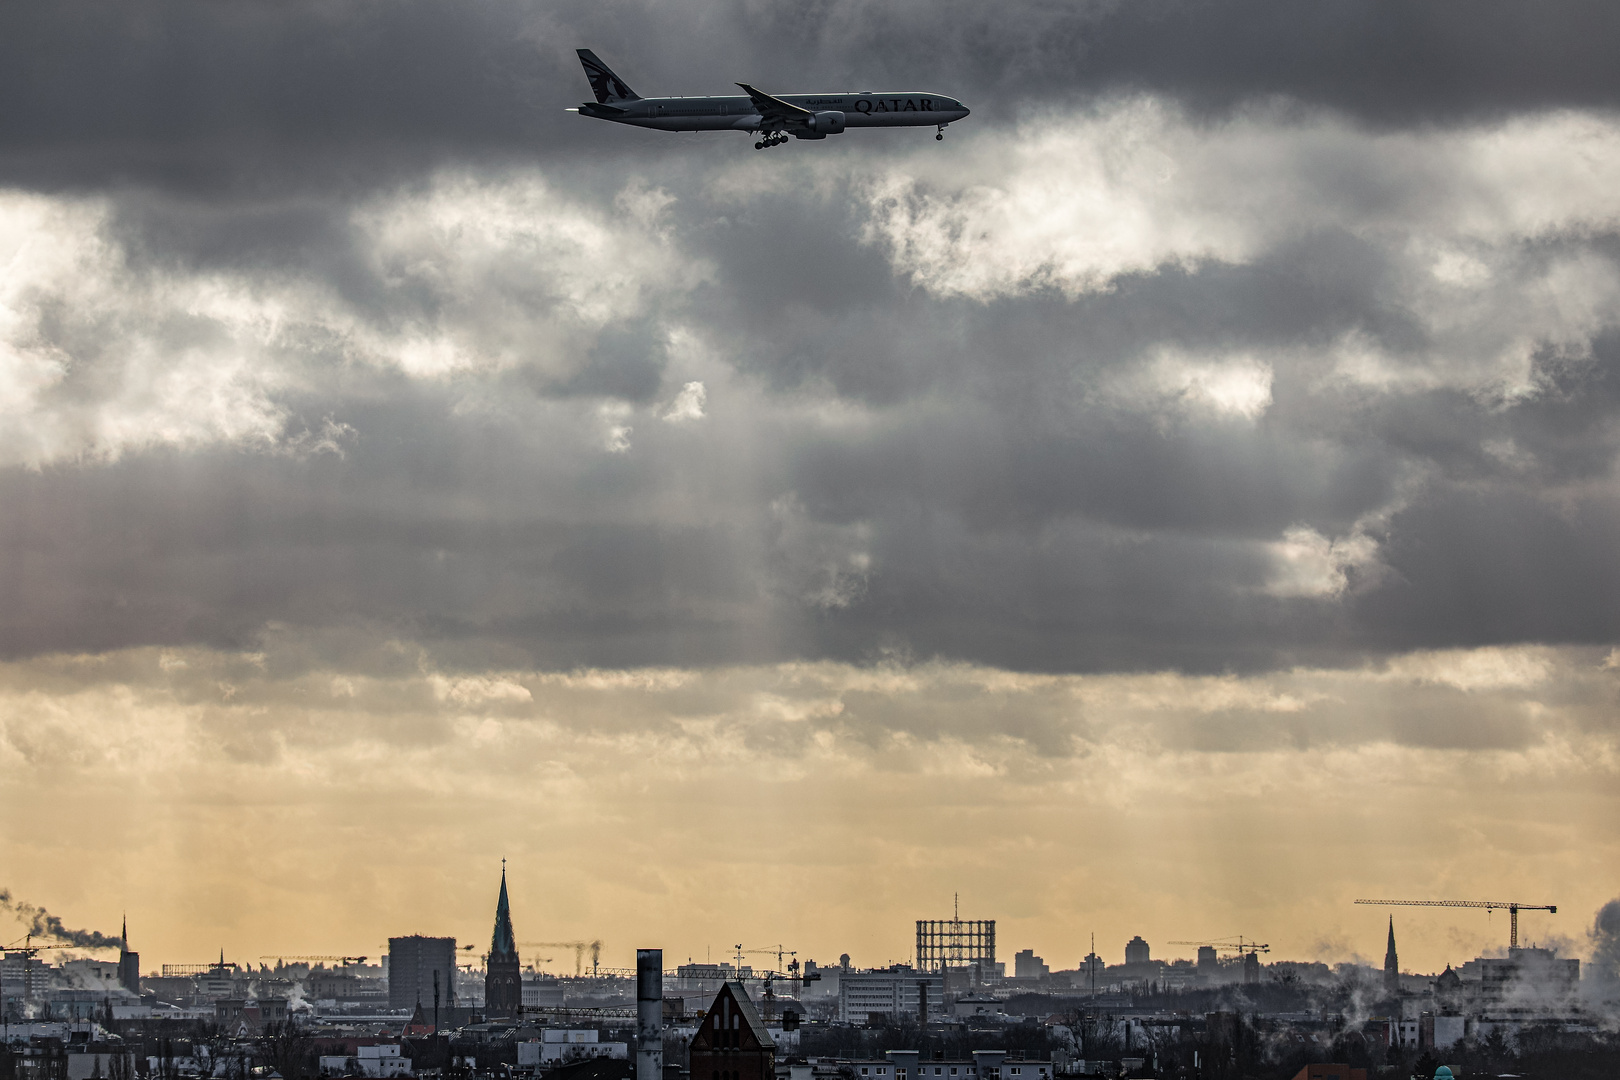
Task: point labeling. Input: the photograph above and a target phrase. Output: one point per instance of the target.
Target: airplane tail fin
(607, 86)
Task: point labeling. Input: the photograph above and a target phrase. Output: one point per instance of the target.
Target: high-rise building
(129, 963)
(1136, 951)
(412, 964)
(503, 975)
(1392, 963)
(1209, 962)
(1026, 965)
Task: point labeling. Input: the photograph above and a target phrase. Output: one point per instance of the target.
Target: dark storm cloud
(1164, 467)
(329, 94)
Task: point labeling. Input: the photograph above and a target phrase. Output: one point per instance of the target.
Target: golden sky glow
(827, 807)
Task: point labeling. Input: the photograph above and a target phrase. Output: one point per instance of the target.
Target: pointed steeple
(1392, 963)
(503, 943)
(123, 936)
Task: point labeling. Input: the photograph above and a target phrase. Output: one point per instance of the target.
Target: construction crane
(1513, 909)
(1241, 946)
(777, 951)
(579, 948)
(26, 946)
(345, 959)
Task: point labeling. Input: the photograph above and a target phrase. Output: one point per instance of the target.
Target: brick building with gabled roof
(731, 1043)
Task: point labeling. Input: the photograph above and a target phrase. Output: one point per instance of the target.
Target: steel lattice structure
(943, 943)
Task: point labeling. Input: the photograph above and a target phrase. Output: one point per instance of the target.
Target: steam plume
(1606, 941)
(42, 924)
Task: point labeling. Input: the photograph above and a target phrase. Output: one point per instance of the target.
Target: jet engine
(830, 122)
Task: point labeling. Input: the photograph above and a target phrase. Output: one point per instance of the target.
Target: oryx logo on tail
(607, 86)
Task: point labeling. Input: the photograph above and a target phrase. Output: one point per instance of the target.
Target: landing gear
(775, 138)
(941, 133)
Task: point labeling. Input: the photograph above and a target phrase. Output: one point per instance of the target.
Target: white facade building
(896, 991)
(373, 1061)
(558, 1047)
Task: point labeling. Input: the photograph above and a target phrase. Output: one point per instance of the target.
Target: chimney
(649, 1014)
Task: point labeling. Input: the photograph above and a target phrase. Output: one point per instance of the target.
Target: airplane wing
(775, 111)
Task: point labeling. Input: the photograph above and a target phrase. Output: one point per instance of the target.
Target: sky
(1180, 502)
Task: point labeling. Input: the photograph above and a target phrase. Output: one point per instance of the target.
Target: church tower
(129, 963)
(503, 979)
(1392, 963)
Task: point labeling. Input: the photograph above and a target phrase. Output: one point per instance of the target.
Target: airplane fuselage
(865, 109)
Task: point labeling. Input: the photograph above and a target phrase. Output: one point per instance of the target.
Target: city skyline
(1180, 502)
(762, 958)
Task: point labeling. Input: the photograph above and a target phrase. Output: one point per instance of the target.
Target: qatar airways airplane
(803, 116)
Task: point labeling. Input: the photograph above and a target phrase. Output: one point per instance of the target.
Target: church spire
(1392, 963)
(503, 943)
(503, 978)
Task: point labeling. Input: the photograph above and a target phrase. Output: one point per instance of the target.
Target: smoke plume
(1605, 962)
(42, 924)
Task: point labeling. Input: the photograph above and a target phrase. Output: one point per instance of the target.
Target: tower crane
(26, 946)
(579, 948)
(1241, 946)
(1513, 908)
(344, 959)
(777, 951)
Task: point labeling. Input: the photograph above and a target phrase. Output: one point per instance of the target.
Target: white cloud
(96, 358)
(1071, 202)
(1176, 381)
(474, 275)
(688, 404)
(614, 420)
(513, 269)
(1307, 564)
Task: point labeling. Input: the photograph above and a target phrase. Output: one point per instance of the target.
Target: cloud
(965, 766)
(688, 404)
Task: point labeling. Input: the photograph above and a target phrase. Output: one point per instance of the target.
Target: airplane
(803, 116)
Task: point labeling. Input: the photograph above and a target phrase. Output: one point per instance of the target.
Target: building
(864, 996)
(373, 1061)
(1392, 963)
(1209, 962)
(542, 991)
(1527, 978)
(1136, 951)
(731, 1043)
(413, 964)
(1330, 1072)
(243, 1017)
(129, 963)
(503, 974)
(957, 943)
(559, 1047)
(971, 1005)
(909, 1065)
(110, 1061)
(1026, 965)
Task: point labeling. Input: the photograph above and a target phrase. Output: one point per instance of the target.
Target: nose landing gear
(940, 135)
